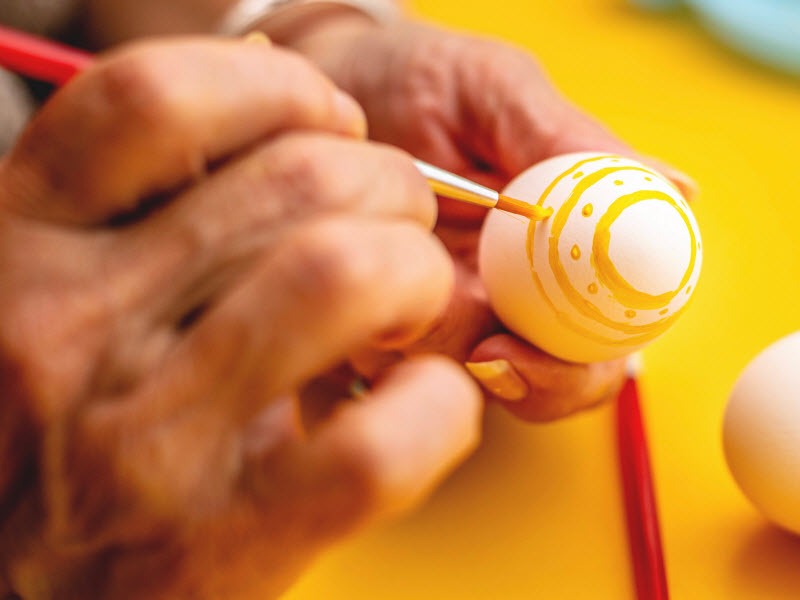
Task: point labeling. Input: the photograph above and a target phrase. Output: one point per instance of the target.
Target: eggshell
(761, 432)
(611, 270)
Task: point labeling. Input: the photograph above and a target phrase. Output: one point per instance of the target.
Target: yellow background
(537, 513)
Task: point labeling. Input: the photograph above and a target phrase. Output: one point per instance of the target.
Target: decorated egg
(761, 432)
(611, 269)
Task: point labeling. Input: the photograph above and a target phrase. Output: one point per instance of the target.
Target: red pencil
(39, 58)
(644, 534)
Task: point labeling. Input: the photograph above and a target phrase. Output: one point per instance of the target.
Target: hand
(184, 252)
(484, 110)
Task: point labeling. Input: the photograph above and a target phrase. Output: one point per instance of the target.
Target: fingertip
(426, 202)
(449, 416)
(452, 395)
(447, 376)
(686, 184)
(348, 115)
(433, 262)
(556, 388)
(420, 420)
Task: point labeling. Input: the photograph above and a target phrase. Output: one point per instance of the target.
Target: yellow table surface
(537, 512)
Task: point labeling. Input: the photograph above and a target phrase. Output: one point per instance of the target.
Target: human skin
(183, 254)
(485, 110)
(477, 107)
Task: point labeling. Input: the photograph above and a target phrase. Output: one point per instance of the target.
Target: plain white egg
(608, 272)
(761, 432)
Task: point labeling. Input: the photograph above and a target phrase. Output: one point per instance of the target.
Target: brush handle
(453, 186)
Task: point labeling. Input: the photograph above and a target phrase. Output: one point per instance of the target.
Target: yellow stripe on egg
(606, 272)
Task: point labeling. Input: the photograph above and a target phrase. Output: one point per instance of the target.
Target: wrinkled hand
(183, 252)
(484, 110)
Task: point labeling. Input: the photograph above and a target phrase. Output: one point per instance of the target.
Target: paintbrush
(450, 185)
(54, 63)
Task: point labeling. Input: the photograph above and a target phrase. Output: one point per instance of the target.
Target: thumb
(535, 386)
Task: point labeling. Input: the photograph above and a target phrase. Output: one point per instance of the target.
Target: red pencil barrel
(644, 534)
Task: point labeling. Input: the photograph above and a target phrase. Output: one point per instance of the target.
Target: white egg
(608, 272)
(761, 432)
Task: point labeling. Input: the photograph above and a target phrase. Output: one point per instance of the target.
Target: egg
(612, 268)
(761, 432)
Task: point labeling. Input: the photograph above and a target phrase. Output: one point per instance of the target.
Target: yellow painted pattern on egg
(638, 334)
(607, 270)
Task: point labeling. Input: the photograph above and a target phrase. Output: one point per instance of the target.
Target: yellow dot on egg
(593, 289)
(648, 179)
(578, 175)
(587, 210)
(688, 290)
(630, 313)
(663, 312)
(575, 252)
(617, 182)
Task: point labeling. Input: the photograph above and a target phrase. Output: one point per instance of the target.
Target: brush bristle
(518, 207)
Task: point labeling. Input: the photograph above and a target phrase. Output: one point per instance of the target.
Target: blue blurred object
(767, 30)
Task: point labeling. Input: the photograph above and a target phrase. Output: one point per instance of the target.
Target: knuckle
(394, 279)
(326, 174)
(331, 263)
(137, 89)
(490, 60)
(295, 166)
(429, 79)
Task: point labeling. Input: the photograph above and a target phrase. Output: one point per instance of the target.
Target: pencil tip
(532, 211)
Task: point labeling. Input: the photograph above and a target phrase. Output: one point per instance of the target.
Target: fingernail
(686, 184)
(350, 114)
(500, 378)
(257, 37)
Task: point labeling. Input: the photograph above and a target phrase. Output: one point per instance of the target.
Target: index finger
(149, 118)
